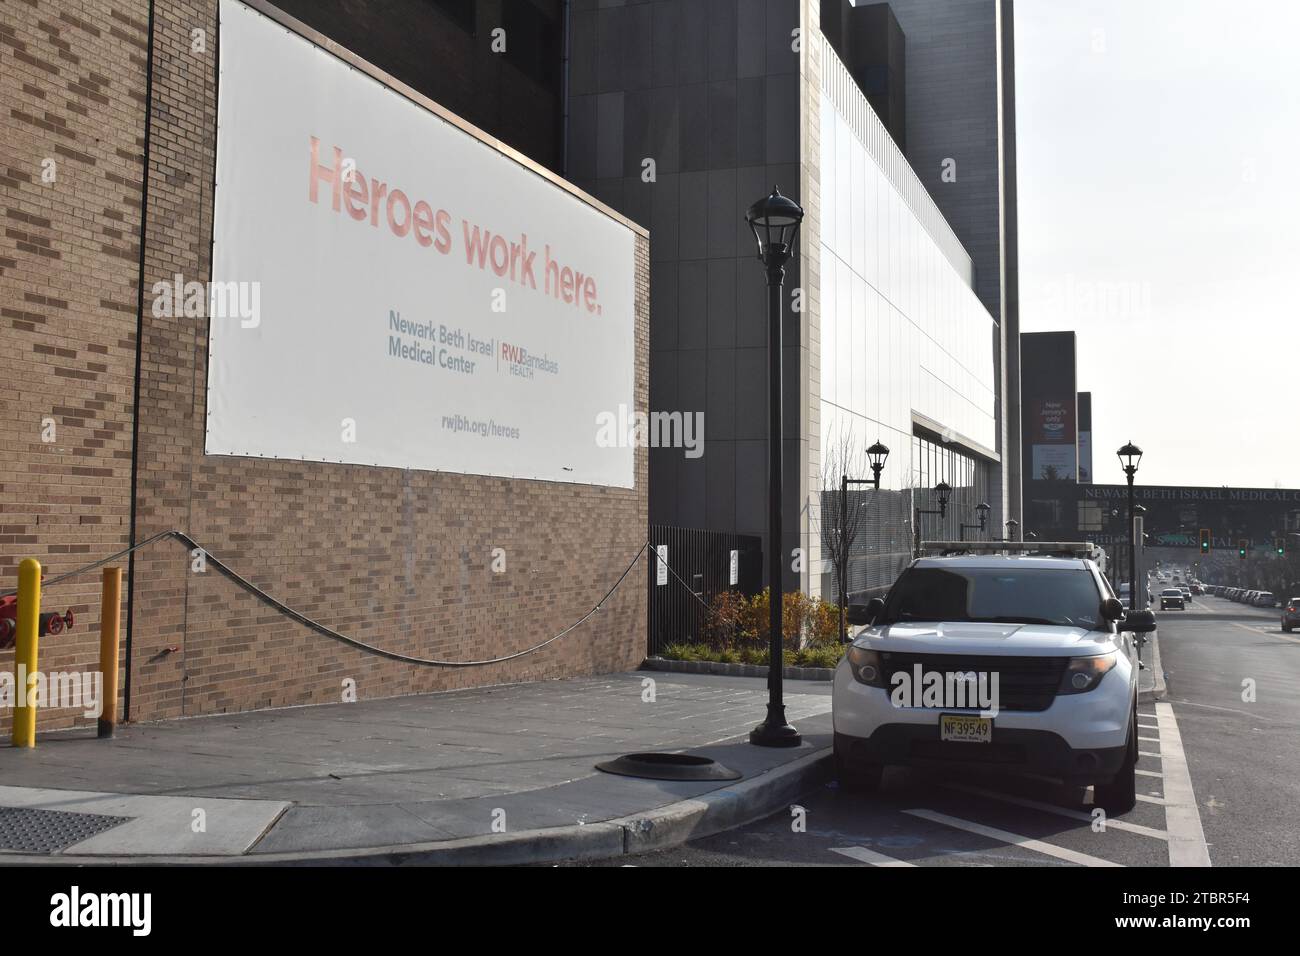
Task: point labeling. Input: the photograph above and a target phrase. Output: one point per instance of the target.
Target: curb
(750, 799)
(735, 670)
(724, 809)
(1158, 689)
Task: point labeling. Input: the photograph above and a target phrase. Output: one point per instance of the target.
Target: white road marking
(1083, 815)
(1015, 839)
(1149, 799)
(1147, 753)
(1182, 817)
(1147, 727)
(863, 855)
(1150, 740)
(1259, 630)
(1148, 773)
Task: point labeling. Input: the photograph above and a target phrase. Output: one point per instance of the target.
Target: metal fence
(698, 566)
(880, 549)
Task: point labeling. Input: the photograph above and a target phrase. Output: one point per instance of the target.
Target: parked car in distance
(1265, 599)
(1172, 597)
(1291, 615)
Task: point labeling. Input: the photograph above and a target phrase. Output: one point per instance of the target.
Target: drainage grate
(28, 830)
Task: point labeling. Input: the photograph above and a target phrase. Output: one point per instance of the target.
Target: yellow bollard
(110, 611)
(29, 616)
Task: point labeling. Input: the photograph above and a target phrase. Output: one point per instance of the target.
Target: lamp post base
(775, 732)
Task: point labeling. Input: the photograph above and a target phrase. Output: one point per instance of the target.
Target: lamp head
(774, 220)
(1130, 456)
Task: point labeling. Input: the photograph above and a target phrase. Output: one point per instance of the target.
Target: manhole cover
(28, 830)
(654, 766)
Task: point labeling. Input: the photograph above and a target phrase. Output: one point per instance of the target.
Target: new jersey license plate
(967, 730)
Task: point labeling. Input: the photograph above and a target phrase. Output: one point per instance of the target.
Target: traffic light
(1279, 545)
(1205, 541)
(1241, 549)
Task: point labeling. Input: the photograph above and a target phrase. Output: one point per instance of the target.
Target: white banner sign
(388, 290)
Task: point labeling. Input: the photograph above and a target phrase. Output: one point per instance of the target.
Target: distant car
(1172, 597)
(1197, 589)
(1291, 614)
(1265, 599)
(1187, 593)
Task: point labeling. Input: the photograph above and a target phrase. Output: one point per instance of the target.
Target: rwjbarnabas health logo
(956, 690)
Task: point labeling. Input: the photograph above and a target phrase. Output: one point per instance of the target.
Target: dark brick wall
(398, 559)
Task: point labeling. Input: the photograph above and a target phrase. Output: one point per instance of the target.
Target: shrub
(722, 620)
(827, 656)
(803, 618)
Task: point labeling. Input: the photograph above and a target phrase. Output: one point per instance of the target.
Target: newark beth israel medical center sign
(424, 300)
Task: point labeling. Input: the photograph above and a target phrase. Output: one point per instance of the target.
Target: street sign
(661, 565)
(734, 577)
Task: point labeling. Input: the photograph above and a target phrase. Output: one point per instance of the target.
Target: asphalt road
(1219, 781)
(1244, 755)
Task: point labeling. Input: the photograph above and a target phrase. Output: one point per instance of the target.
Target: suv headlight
(1085, 673)
(866, 666)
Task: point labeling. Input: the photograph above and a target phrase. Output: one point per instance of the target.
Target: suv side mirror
(865, 613)
(1112, 609)
(1139, 622)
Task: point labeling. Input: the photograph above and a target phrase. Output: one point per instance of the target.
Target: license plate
(967, 730)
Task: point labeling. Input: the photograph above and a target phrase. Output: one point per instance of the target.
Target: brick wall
(72, 80)
(395, 558)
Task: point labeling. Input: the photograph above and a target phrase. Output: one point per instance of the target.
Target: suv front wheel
(1120, 794)
(855, 776)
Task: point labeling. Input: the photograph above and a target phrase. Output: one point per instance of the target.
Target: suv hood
(1022, 640)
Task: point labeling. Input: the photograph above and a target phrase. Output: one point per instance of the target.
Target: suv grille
(1024, 683)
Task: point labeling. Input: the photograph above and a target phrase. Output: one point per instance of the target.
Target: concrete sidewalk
(493, 775)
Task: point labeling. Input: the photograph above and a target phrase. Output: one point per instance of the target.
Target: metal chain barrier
(329, 632)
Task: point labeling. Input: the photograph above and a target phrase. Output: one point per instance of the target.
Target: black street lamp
(943, 491)
(982, 509)
(1130, 456)
(876, 454)
(1012, 525)
(774, 221)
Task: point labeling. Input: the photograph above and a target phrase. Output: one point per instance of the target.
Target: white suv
(1028, 662)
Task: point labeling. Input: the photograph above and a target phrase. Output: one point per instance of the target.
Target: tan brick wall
(398, 559)
(72, 79)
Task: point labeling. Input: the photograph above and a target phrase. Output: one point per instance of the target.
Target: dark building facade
(682, 114)
(444, 49)
(1050, 434)
(961, 140)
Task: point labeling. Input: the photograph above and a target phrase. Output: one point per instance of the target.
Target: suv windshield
(1068, 596)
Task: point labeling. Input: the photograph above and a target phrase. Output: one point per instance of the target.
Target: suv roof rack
(1042, 549)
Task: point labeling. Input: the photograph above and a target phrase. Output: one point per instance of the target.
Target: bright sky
(1158, 144)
